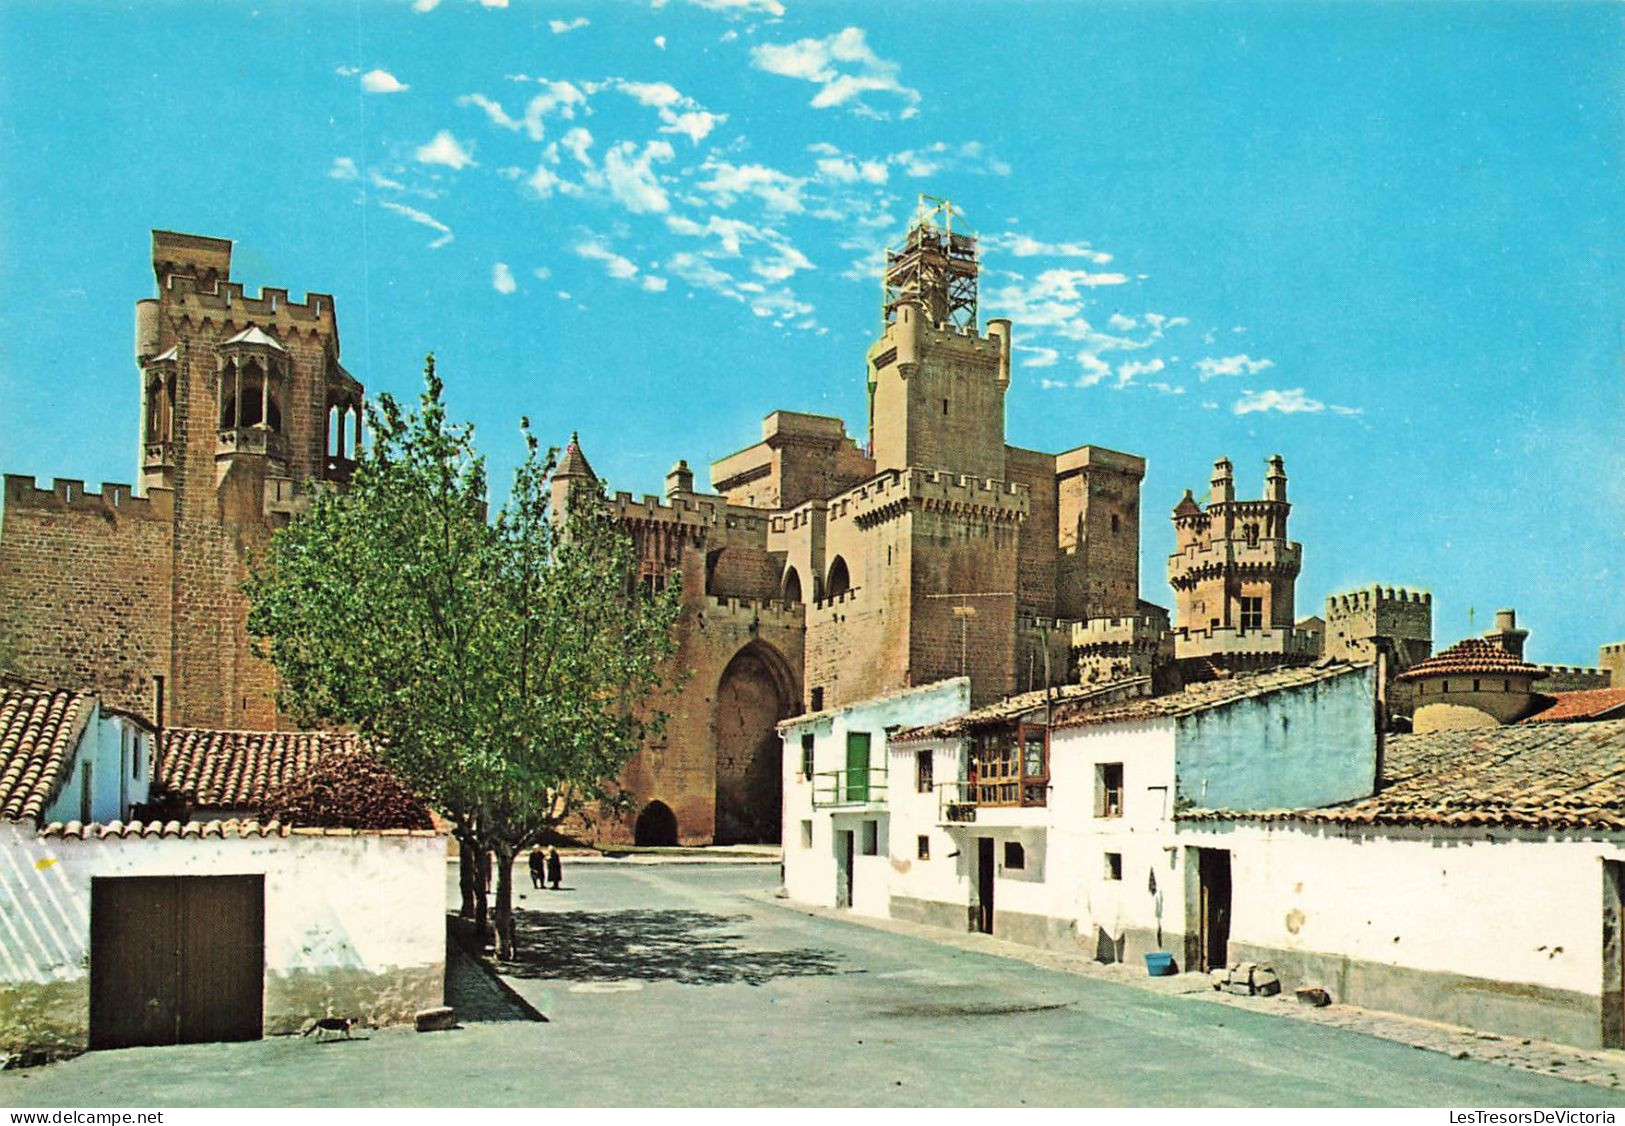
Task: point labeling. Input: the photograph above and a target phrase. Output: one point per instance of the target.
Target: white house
(116, 932)
(1060, 818)
(1481, 885)
(841, 784)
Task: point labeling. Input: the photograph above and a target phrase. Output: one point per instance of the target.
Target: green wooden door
(857, 766)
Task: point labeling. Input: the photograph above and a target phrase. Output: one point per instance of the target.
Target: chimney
(1506, 633)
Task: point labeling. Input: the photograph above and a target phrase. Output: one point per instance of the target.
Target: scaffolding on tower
(934, 265)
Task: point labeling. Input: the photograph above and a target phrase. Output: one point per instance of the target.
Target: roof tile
(39, 730)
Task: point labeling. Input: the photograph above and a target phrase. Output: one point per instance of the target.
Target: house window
(871, 838)
(1109, 789)
(1252, 614)
(1015, 857)
(923, 845)
(1114, 866)
(140, 754)
(806, 834)
(816, 703)
(807, 757)
(922, 771)
(85, 792)
(1011, 767)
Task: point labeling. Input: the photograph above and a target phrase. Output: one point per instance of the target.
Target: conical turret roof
(573, 463)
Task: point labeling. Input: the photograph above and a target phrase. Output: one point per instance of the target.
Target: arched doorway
(757, 690)
(657, 826)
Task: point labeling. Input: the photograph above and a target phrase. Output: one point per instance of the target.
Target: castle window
(1117, 523)
(1252, 614)
(792, 585)
(1506, 686)
(1250, 531)
(1445, 687)
(816, 702)
(1475, 686)
(945, 408)
(839, 580)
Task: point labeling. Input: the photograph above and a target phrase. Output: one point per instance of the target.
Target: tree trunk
(465, 874)
(506, 945)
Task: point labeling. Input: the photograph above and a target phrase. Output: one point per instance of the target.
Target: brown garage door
(176, 959)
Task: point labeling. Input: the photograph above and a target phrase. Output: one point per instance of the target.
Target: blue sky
(1384, 240)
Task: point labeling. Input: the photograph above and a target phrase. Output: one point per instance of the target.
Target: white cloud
(679, 114)
(544, 181)
(576, 142)
(843, 66)
(1041, 357)
(1166, 388)
(423, 218)
(1211, 367)
(556, 99)
(631, 177)
(778, 190)
(502, 278)
(425, 5)
(445, 149)
(379, 180)
(542, 272)
(654, 284)
(1293, 401)
(561, 27)
(660, 41)
(382, 82)
(615, 265)
(347, 71)
(493, 109)
(1131, 370)
(1347, 412)
(493, 3)
(1025, 246)
(343, 169)
(1093, 369)
(741, 7)
(1121, 323)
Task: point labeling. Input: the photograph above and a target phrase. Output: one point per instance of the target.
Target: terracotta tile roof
(39, 731)
(1206, 695)
(1125, 701)
(1596, 703)
(229, 829)
(573, 463)
(240, 769)
(1009, 708)
(1536, 776)
(1472, 657)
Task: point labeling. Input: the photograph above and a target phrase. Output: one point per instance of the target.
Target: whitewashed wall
(354, 925)
(1492, 929)
(811, 874)
(118, 753)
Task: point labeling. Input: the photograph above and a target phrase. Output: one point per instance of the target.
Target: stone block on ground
(435, 1020)
(1314, 996)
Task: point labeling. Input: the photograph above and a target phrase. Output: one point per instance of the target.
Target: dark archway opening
(839, 580)
(657, 826)
(757, 690)
(792, 586)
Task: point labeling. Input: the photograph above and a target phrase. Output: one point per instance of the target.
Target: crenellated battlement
(755, 611)
(69, 495)
(1371, 596)
(894, 491)
(1145, 629)
(271, 302)
(1574, 678)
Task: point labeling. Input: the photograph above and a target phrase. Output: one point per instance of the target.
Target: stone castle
(817, 571)
(242, 399)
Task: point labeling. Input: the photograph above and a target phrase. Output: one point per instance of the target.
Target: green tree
(500, 667)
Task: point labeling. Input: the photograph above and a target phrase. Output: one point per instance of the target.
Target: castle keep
(818, 573)
(242, 399)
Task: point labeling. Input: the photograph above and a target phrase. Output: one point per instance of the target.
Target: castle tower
(243, 400)
(1506, 633)
(1234, 574)
(570, 474)
(936, 386)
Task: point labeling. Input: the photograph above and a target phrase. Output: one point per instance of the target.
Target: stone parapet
(897, 490)
(70, 495)
(754, 611)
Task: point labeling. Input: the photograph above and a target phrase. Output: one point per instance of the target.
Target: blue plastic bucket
(1159, 964)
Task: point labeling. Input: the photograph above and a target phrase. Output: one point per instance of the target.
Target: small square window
(807, 756)
(1015, 857)
(871, 838)
(922, 772)
(1109, 789)
(924, 847)
(1114, 866)
(806, 834)
(1252, 614)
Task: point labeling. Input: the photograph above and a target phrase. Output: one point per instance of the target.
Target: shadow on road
(693, 947)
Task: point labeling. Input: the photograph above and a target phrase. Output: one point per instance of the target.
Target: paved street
(681, 985)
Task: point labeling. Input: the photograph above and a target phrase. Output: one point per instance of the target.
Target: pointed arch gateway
(756, 690)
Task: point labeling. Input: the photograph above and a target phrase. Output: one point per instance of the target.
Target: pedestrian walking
(555, 868)
(538, 867)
